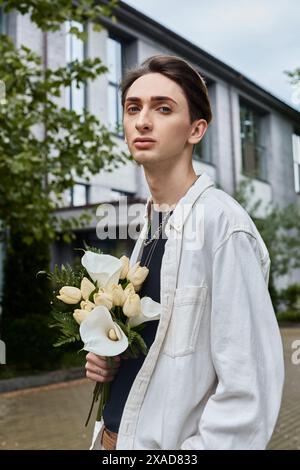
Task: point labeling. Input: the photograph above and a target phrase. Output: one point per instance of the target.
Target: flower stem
(96, 393)
(103, 399)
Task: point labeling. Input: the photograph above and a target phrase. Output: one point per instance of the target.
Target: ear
(198, 130)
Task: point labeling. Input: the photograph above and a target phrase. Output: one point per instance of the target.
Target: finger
(98, 378)
(103, 365)
(95, 358)
(106, 370)
(100, 370)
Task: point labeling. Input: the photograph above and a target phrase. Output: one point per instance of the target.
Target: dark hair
(181, 72)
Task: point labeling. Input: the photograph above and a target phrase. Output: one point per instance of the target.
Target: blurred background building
(252, 132)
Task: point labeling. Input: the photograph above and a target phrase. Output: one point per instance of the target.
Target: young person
(213, 376)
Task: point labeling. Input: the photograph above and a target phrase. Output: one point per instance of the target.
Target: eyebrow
(135, 99)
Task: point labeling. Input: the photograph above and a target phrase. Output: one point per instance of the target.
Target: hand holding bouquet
(99, 304)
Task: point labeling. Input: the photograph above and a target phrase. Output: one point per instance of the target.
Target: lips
(143, 139)
(144, 144)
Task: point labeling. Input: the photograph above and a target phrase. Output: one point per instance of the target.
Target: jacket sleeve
(246, 350)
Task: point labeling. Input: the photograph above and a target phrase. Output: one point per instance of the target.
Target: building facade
(253, 133)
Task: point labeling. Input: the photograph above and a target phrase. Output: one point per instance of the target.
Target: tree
(34, 169)
(280, 230)
(295, 82)
(43, 149)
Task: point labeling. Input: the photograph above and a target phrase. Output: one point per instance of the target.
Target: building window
(296, 157)
(254, 162)
(2, 21)
(115, 65)
(79, 194)
(75, 50)
(203, 150)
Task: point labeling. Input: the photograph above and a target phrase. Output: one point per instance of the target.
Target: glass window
(254, 162)
(2, 21)
(75, 50)
(114, 63)
(79, 194)
(203, 150)
(296, 158)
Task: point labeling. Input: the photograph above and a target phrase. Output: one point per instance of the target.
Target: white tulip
(118, 295)
(87, 305)
(137, 274)
(103, 297)
(86, 287)
(69, 295)
(125, 263)
(132, 305)
(80, 315)
(129, 289)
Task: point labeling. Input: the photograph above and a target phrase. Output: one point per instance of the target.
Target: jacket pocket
(188, 307)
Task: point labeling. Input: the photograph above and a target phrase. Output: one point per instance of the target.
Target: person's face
(156, 107)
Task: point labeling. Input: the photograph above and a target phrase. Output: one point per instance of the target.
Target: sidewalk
(53, 416)
(287, 432)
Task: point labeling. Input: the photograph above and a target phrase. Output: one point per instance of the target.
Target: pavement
(53, 416)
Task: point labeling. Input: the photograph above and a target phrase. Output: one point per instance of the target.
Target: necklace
(157, 231)
(155, 242)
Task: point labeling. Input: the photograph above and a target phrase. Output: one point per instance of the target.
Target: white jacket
(213, 377)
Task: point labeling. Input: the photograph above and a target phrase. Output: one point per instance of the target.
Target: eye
(131, 108)
(165, 107)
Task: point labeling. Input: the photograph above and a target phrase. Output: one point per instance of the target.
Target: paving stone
(53, 416)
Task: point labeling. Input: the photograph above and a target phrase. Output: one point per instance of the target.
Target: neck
(168, 187)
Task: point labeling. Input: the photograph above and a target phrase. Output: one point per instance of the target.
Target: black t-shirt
(129, 368)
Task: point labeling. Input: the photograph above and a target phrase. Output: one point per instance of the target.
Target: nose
(143, 122)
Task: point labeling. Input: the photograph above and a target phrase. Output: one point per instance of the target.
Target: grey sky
(259, 38)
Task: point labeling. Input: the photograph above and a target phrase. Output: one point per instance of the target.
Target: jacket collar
(185, 204)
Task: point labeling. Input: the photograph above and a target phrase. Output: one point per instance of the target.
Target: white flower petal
(103, 269)
(150, 309)
(94, 333)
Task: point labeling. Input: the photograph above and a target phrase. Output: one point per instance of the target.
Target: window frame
(296, 160)
(261, 168)
(87, 194)
(69, 90)
(205, 141)
(3, 29)
(116, 85)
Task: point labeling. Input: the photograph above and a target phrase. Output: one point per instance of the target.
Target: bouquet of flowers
(98, 303)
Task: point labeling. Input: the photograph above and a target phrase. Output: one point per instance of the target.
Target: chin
(143, 156)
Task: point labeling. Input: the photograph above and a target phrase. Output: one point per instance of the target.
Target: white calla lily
(95, 332)
(103, 269)
(150, 310)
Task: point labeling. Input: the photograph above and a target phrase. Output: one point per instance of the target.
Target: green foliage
(290, 298)
(293, 75)
(93, 249)
(44, 149)
(22, 293)
(288, 316)
(70, 141)
(38, 138)
(135, 340)
(280, 230)
(26, 308)
(29, 344)
(66, 276)
(48, 15)
(67, 326)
